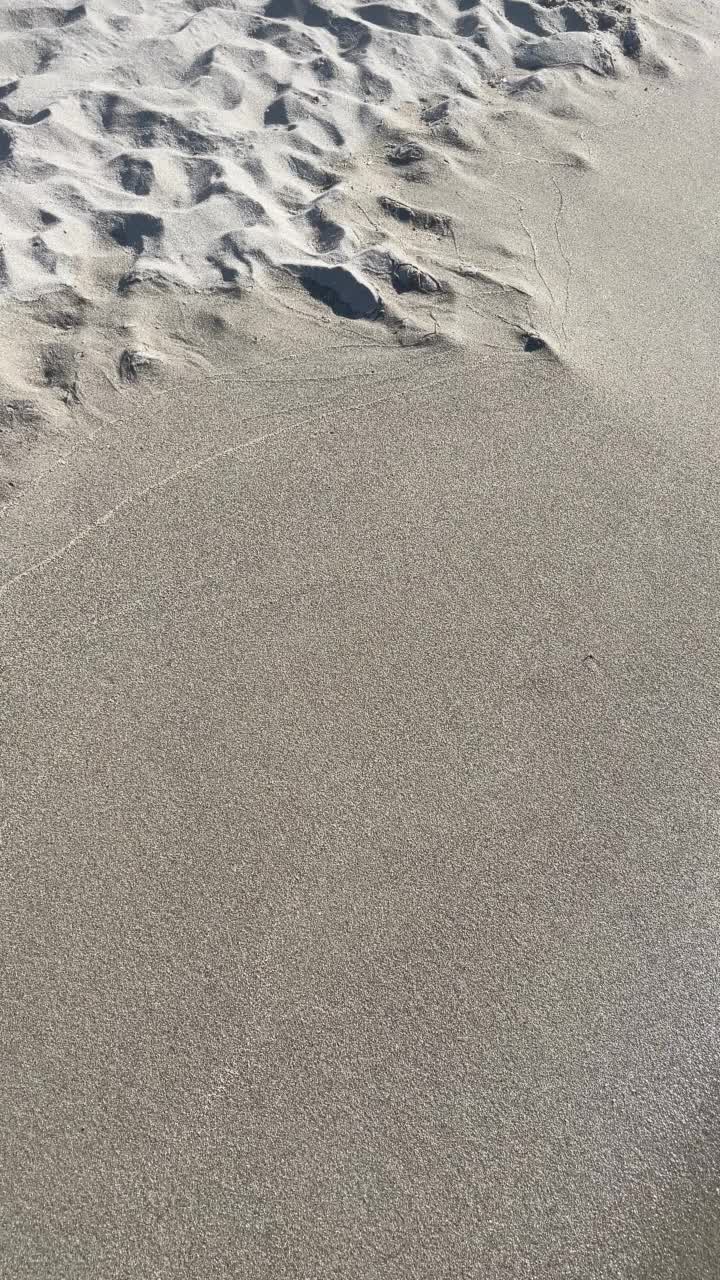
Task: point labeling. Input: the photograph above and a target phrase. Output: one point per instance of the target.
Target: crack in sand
(563, 255)
(536, 259)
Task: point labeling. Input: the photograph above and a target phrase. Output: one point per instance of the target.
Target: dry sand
(189, 143)
(359, 678)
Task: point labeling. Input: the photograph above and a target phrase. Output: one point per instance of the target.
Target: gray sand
(360, 791)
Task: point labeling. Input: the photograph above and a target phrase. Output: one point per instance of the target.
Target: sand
(358, 659)
(207, 145)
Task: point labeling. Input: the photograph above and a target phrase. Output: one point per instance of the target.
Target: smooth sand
(360, 769)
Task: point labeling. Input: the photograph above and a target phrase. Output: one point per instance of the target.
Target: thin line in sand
(108, 516)
(180, 473)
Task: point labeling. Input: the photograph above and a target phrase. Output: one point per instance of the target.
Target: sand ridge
(160, 163)
(205, 145)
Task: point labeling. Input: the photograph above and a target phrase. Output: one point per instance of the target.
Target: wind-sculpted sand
(164, 157)
(178, 142)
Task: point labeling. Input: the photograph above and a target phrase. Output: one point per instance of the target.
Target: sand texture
(172, 173)
(359, 662)
(179, 142)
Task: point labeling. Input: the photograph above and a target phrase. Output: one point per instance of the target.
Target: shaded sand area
(360, 756)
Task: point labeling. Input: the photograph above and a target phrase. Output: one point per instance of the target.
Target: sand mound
(162, 160)
(183, 142)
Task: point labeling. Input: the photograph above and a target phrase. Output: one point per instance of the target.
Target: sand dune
(205, 145)
(337, 162)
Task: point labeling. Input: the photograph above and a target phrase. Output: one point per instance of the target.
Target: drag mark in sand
(108, 517)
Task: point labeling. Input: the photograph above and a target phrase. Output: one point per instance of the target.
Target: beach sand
(359, 668)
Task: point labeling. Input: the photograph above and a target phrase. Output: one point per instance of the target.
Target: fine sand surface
(359, 669)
